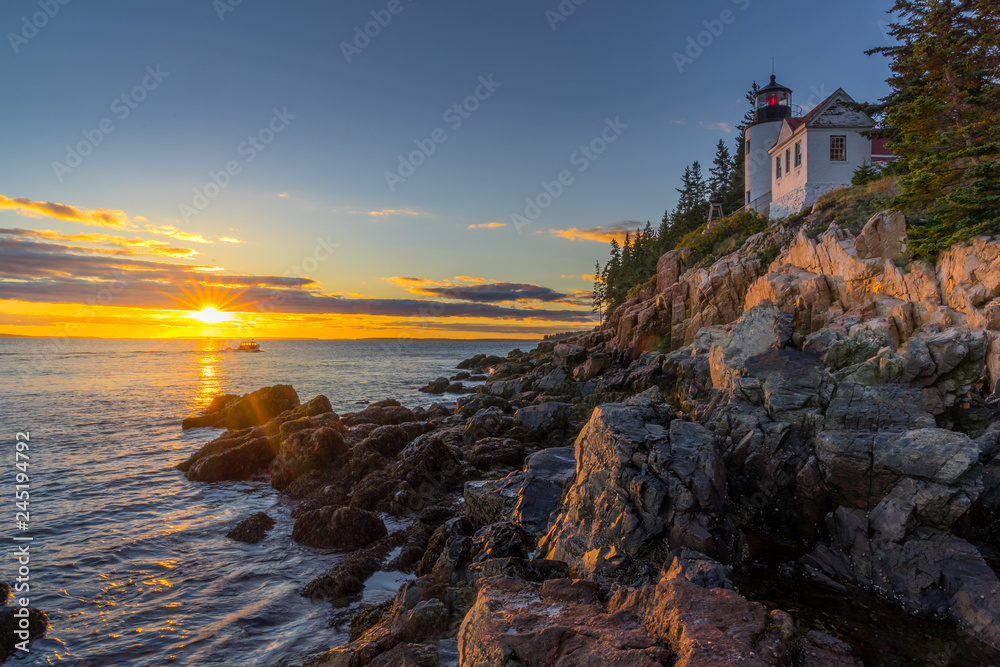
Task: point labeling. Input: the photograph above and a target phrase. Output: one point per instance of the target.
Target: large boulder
(492, 452)
(638, 480)
(240, 460)
(251, 409)
(547, 475)
(338, 528)
(304, 452)
(540, 420)
(486, 423)
(253, 529)
(761, 330)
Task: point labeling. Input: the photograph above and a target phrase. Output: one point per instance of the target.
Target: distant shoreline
(456, 340)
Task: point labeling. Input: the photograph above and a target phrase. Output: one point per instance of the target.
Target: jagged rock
(338, 528)
(542, 419)
(592, 367)
(883, 237)
(513, 621)
(438, 386)
(306, 451)
(253, 529)
(492, 501)
(239, 460)
(467, 406)
(649, 481)
(251, 409)
(492, 452)
(761, 330)
(546, 476)
(381, 413)
(486, 423)
(387, 441)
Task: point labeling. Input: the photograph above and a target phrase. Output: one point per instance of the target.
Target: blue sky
(225, 69)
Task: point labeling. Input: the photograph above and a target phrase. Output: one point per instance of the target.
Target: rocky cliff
(813, 412)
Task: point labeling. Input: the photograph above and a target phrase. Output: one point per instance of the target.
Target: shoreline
(488, 489)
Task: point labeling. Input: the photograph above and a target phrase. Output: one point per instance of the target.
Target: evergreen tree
(600, 293)
(943, 116)
(720, 174)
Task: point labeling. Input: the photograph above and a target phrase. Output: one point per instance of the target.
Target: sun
(211, 315)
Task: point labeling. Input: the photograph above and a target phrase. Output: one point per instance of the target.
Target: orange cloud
(389, 211)
(617, 231)
(98, 217)
(174, 233)
(585, 276)
(228, 239)
(147, 246)
(488, 225)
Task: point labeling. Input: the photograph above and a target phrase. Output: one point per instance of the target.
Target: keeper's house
(792, 158)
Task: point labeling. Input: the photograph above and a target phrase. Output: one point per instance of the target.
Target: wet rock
(760, 330)
(516, 623)
(547, 475)
(699, 569)
(381, 413)
(481, 362)
(540, 420)
(347, 578)
(486, 423)
(820, 650)
(491, 501)
(13, 633)
(387, 441)
(306, 451)
(438, 386)
(237, 461)
(251, 409)
(491, 452)
(253, 529)
(467, 406)
(651, 481)
(338, 528)
(501, 540)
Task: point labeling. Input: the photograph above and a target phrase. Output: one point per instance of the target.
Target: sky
(349, 169)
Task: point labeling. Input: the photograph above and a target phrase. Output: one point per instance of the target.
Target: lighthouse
(772, 105)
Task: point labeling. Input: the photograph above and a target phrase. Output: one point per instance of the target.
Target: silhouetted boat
(249, 346)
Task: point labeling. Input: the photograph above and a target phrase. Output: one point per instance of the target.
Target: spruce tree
(943, 116)
(600, 294)
(720, 174)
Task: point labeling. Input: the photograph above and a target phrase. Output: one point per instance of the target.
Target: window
(838, 149)
(777, 172)
(798, 153)
(748, 197)
(748, 147)
(788, 160)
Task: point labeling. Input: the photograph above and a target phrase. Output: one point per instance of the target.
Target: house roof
(794, 126)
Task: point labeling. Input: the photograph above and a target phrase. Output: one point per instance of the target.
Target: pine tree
(600, 293)
(720, 174)
(943, 116)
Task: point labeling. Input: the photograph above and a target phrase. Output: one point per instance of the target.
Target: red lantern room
(774, 102)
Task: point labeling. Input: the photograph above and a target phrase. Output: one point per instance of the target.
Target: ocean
(128, 558)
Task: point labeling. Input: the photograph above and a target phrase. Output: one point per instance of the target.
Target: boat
(249, 346)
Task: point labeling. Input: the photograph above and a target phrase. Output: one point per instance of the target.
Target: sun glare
(211, 315)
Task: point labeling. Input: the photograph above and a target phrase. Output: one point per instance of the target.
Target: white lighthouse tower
(772, 105)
